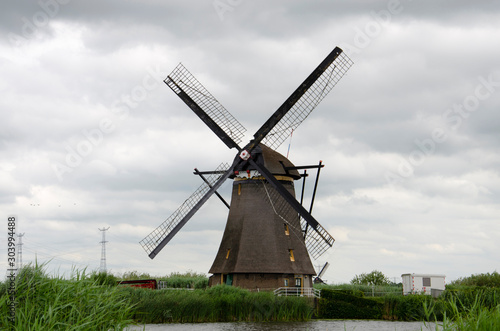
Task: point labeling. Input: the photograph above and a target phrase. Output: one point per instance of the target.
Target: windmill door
(229, 279)
(226, 279)
(298, 283)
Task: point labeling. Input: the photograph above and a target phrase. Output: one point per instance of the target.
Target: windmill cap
(275, 162)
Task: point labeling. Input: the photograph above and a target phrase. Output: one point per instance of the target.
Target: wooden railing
(297, 291)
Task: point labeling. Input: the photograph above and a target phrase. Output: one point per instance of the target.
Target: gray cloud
(408, 137)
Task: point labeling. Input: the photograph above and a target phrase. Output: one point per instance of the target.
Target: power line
(49, 257)
(52, 252)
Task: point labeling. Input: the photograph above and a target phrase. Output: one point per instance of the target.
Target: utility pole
(20, 251)
(102, 267)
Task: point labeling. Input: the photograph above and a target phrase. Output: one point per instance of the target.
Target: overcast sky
(90, 136)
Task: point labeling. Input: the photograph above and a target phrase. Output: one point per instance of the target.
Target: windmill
(269, 235)
(317, 279)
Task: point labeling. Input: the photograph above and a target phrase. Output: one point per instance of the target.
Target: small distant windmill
(269, 234)
(318, 279)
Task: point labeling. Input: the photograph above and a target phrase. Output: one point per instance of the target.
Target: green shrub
(375, 277)
(135, 275)
(186, 280)
(482, 280)
(344, 305)
(366, 290)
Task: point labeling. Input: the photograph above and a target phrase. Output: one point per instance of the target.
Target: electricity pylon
(102, 267)
(20, 251)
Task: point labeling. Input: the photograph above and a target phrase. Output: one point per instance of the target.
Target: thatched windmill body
(269, 235)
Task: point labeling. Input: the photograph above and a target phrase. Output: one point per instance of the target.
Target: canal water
(316, 325)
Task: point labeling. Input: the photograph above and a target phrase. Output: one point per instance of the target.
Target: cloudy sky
(91, 138)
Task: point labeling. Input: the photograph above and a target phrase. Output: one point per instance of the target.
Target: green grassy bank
(92, 301)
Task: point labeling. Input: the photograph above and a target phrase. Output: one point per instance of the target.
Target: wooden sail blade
(303, 100)
(159, 237)
(206, 106)
(318, 239)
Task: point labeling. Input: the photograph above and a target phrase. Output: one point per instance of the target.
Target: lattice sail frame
(317, 240)
(150, 242)
(306, 104)
(196, 91)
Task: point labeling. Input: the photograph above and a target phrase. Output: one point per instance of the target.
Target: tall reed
(221, 303)
(54, 303)
(464, 311)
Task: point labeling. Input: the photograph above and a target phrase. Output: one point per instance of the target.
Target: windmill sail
(205, 105)
(309, 99)
(273, 132)
(317, 239)
(160, 236)
(323, 270)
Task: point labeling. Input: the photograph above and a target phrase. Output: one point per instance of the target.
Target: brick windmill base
(263, 247)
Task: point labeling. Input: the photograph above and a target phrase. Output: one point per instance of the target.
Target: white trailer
(423, 283)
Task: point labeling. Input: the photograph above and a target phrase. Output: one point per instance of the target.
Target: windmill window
(286, 282)
(227, 254)
(298, 282)
(426, 281)
(292, 258)
(287, 231)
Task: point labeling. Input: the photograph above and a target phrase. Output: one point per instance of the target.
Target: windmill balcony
(297, 291)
